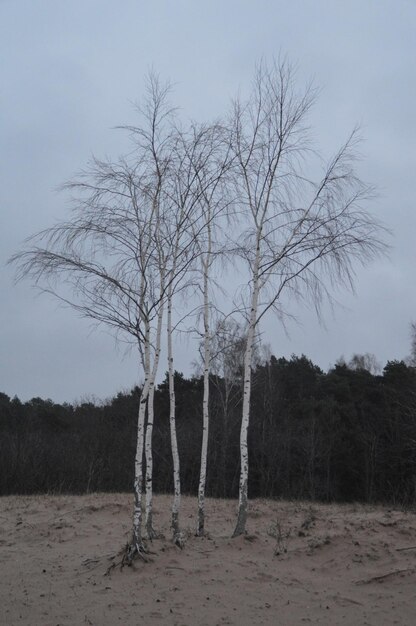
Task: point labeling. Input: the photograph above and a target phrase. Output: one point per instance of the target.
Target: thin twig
(365, 581)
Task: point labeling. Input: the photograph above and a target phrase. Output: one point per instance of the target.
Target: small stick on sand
(365, 581)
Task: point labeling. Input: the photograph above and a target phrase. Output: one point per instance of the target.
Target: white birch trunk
(137, 543)
(205, 403)
(205, 412)
(149, 464)
(243, 492)
(173, 438)
(149, 432)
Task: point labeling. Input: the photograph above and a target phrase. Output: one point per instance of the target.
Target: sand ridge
(299, 563)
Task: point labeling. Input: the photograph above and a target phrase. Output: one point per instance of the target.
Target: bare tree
(227, 342)
(367, 362)
(155, 142)
(198, 172)
(95, 256)
(112, 255)
(210, 163)
(297, 234)
(227, 348)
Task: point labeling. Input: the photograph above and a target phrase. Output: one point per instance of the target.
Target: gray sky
(70, 72)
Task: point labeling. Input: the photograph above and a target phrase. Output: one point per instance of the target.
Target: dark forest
(344, 435)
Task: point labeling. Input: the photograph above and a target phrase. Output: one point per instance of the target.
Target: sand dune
(298, 564)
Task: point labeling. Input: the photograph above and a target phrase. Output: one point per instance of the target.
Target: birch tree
(299, 237)
(155, 141)
(227, 357)
(111, 256)
(206, 262)
(210, 162)
(199, 164)
(99, 264)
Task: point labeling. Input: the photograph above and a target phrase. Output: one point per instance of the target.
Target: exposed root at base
(133, 551)
(117, 561)
(128, 555)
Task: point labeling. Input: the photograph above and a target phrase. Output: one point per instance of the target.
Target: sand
(298, 564)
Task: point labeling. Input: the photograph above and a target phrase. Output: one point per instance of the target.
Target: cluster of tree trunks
(152, 232)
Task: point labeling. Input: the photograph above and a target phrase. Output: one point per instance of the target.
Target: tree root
(128, 555)
(135, 551)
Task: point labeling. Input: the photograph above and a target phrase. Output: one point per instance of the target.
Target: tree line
(344, 435)
(158, 238)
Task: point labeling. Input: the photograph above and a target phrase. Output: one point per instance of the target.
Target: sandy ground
(298, 564)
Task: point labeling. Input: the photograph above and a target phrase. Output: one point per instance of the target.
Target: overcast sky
(70, 72)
